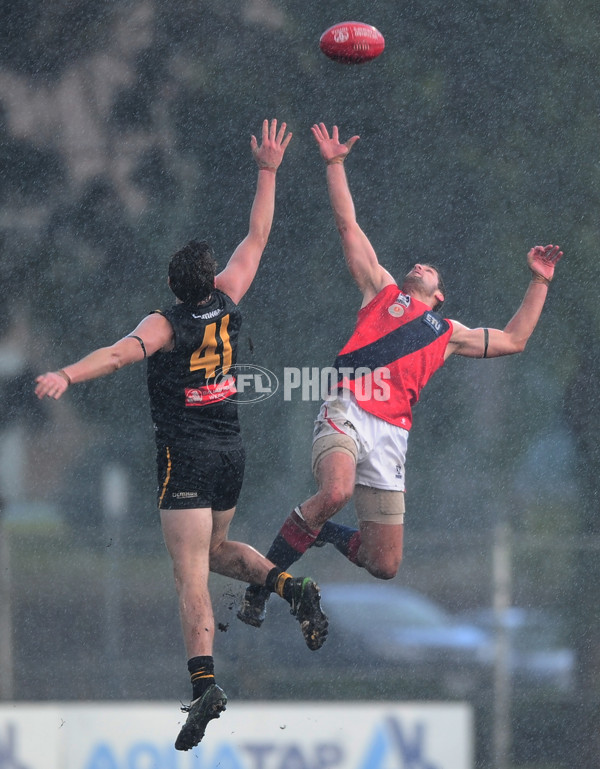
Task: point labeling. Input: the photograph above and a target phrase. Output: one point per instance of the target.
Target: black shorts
(188, 479)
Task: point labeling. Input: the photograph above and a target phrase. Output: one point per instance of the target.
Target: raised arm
(152, 334)
(235, 279)
(493, 342)
(360, 255)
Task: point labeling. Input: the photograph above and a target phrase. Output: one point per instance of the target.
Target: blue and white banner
(259, 735)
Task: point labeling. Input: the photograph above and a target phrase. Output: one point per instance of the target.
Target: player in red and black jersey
(361, 433)
(191, 349)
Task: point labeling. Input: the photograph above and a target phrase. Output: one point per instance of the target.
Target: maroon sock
(293, 540)
(353, 548)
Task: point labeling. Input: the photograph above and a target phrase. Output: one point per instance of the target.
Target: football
(352, 42)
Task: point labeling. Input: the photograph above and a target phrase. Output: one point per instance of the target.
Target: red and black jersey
(396, 347)
(192, 394)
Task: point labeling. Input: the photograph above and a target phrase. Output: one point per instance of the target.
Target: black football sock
(282, 583)
(202, 674)
(276, 580)
(293, 540)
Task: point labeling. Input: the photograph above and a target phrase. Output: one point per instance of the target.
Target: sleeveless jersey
(397, 345)
(192, 396)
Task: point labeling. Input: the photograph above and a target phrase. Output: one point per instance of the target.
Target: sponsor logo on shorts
(185, 494)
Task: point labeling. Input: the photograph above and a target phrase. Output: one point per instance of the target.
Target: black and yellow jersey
(192, 389)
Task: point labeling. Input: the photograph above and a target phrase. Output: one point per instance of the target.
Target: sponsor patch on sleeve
(434, 322)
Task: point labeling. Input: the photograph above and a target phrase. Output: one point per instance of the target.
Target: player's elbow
(115, 362)
(117, 358)
(519, 344)
(505, 345)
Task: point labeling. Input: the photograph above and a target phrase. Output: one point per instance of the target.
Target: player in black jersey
(190, 348)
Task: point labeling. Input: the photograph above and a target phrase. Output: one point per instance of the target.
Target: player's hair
(441, 285)
(192, 272)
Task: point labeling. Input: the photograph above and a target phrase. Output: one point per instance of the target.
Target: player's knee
(215, 554)
(333, 498)
(382, 573)
(381, 569)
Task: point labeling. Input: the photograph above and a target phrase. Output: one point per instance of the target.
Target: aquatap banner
(308, 735)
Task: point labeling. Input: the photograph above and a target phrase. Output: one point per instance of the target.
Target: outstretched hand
(543, 259)
(51, 385)
(332, 150)
(269, 153)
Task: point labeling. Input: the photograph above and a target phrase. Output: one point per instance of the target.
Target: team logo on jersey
(401, 302)
(396, 310)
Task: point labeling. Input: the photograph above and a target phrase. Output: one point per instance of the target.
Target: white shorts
(380, 446)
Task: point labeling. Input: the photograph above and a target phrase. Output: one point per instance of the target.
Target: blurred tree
(478, 131)
(40, 39)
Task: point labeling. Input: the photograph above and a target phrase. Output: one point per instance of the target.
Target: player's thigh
(384, 506)
(381, 539)
(187, 534)
(334, 464)
(220, 529)
(380, 514)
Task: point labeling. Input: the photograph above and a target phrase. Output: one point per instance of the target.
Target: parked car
(409, 643)
(538, 654)
(381, 630)
(401, 625)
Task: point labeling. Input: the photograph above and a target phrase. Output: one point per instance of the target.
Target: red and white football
(352, 42)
